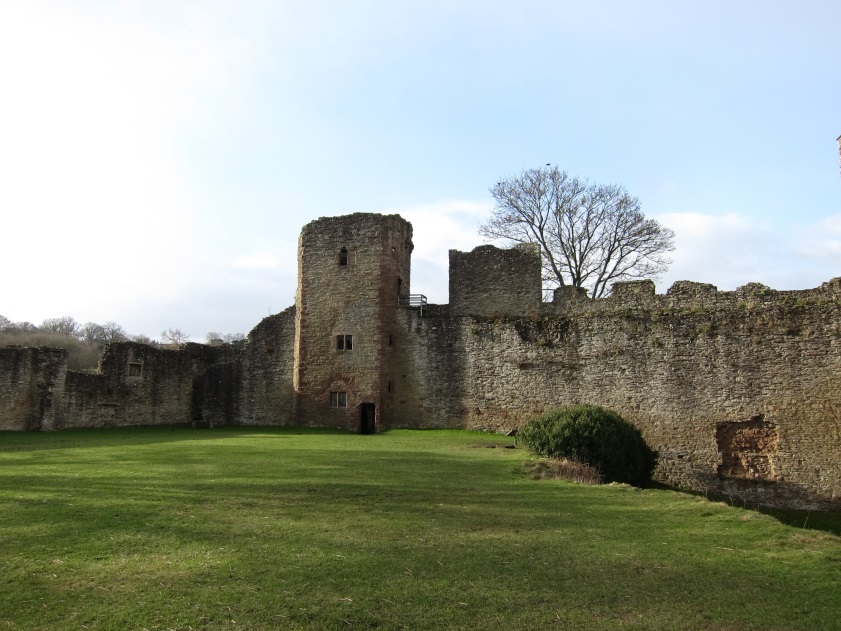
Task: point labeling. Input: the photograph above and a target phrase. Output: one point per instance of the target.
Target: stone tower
(353, 276)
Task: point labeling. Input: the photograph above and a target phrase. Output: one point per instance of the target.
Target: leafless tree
(174, 336)
(91, 332)
(590, 235)
(237, 340)
(63, 326)
(6, 324)
(102, 334)
(142, 339)
(24, 327)
(113, 332)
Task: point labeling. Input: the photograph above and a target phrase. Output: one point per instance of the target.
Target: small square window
(135, 369)
(338, 399)
(347, 257)
(344, 342)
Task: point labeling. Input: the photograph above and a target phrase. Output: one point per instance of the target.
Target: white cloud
(732, 250)
(260, 260)
(96, 210)
(821, 241)
(439, 227)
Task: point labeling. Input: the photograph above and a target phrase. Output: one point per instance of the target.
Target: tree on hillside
(174, 336)
(113, 332)
(237, 340)
(142, 339)
(62, 326)
(24, 327)
(214, 338)
(590, 235)
(91, 333)
(234, 339)
(102, 334)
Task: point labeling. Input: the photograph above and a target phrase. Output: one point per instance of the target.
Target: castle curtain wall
(31, 387)
(738, 391)
(267, 396)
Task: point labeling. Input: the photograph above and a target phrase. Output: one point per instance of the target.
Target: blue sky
(158, 159)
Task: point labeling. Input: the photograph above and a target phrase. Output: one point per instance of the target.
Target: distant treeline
(84, 343)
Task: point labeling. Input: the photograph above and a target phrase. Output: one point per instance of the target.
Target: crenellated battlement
(688, 295)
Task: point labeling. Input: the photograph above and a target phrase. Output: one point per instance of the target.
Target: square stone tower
(353, 276)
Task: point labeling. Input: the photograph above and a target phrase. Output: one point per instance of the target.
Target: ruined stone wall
(737, 390)
(267, 396)
(428, 371)
(352, 272)
(140, 384)
(31, 387)
(491, 281)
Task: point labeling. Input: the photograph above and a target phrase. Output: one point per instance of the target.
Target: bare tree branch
(174, 336)
(590, 235)
(65, 325)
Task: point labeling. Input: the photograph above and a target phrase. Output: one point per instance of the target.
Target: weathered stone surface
(490, 281)
(353, 275)
(140, 384)
(31, 386)
(267, 396)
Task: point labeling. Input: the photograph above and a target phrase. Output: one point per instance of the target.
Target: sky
(158, 159)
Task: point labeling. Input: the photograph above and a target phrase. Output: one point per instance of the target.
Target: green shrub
(596, 436)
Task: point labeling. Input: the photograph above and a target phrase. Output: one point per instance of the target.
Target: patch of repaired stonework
(748, 449)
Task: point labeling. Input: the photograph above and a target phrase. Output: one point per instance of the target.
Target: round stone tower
(353, 276)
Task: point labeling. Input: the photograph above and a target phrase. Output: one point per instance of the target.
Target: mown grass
(242, 528)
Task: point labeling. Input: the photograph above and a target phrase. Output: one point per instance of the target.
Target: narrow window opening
(347, 257)
(399, 288)
(390, 339)
(338, 399)
(344, 342)
(389, 386)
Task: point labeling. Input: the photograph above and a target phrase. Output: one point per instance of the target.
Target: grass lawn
(254, 528)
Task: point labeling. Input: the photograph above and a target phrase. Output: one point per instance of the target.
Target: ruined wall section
(31, 387)
(217, 384)
(352, 271)
(737, 390)
(267, 396)
(490, 281)
(140, 384)
(429, 371)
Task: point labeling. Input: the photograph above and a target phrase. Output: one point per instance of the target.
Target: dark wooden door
(367, 422)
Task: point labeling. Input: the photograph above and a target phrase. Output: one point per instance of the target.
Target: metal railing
(413, 301)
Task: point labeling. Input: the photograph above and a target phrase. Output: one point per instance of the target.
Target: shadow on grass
(111, 436)
(331, 529)
(825, 521)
